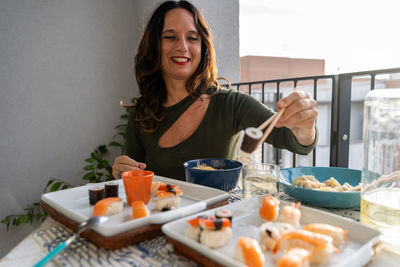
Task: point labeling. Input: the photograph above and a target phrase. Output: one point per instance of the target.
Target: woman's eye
(193, 39)
(169, 37)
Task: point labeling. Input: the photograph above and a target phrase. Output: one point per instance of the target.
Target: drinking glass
(260, 179)
(380, 180)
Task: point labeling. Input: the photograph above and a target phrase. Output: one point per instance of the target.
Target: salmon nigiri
(269, 208)
(108, 206)
(249, 252)
(139, 209)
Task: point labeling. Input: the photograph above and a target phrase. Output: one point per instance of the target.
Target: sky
(351, 35)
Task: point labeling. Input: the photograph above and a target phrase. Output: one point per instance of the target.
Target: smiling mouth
(180, 59)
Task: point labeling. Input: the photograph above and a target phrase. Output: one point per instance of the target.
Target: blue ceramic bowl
(225, 177)
(323, 198)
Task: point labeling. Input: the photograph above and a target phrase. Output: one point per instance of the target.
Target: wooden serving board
(190, 253)
(116, 241)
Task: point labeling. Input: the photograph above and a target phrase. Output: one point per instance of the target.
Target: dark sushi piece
(95, 194)
(111, 190)
(251, 138)
(224, 214)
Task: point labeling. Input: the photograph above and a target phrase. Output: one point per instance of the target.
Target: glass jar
(380, 180)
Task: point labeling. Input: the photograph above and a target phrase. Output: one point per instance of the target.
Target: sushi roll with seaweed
(96, 194)
(224, 213)
(270, 232)
(108, 206)
(111, 189)
(249, 252)
(167, 197)
(251, 138)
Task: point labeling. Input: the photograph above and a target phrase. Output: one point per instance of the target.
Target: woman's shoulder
(231, 94)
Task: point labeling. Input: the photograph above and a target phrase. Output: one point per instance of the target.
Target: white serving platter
(74, 204)
(246, 222)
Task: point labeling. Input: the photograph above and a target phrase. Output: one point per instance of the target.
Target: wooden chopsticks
(271, 122)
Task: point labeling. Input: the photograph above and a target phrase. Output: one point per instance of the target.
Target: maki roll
(111, 190)
(95, 194)
(224, 214)
(251, 138)
(108, 206)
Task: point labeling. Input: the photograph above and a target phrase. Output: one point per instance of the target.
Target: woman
(182, 113)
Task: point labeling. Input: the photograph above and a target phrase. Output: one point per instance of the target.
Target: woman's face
(180, 45)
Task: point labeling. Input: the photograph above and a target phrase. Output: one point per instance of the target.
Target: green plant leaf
(123, 134)
(102, 148)
(89, 167)
(6, 220)
(88, 176)
(55, 187)
(89, 160)
(115, 143)
(48, 184)
(124, 116)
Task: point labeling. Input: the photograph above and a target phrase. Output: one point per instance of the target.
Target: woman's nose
(182, 45)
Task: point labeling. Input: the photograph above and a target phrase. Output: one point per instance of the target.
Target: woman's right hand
(125, 163)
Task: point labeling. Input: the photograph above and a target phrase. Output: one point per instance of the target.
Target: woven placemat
(153, 252)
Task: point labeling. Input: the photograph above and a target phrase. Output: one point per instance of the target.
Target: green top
(228, 113)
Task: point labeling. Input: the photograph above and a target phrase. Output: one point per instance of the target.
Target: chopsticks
(271, 122)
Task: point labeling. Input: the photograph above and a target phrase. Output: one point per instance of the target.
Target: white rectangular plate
(74, 204)
(246, 222)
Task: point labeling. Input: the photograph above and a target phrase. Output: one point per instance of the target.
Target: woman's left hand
(299, 116)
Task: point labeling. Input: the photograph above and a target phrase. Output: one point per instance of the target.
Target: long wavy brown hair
(148, 112)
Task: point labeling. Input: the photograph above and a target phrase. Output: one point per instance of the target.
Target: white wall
(64, 67)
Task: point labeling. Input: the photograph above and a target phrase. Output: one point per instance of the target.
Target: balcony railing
(335, 91)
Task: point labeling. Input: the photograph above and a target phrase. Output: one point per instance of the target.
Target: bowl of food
(328, 187)
(213, 172)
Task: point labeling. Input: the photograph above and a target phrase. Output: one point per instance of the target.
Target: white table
(154, 252)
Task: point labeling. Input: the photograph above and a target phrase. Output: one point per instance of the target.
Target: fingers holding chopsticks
(299, 116)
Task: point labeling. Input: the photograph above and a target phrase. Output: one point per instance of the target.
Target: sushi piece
(215, 233)
(224, 214)
(338, 234)
(210, 231)
(111, 190)
(270, 208)
(319, 245)
(154, 187)
(194, 230)
(95, 194)
(270, 232)
(249, 252)
(213, 223)
(291, 214)
(168, 197)
(139, 209)
(216, 238)
(251, 138)
(295, 257)
(108, 206)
